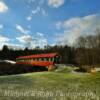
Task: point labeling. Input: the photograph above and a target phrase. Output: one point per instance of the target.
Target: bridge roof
(47, 55)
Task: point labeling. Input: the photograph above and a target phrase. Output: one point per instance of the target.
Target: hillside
(50, 86)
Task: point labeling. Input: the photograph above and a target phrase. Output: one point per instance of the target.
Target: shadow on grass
(80, 70)
(12, 69)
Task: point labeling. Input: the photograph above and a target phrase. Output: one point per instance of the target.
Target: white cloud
(36, 11)
(33, 12)
(41, 40)
(40, 34)
(3, 7)
(24, 38)
(3, 41)
(44, 12)
(15, 46)
(55, 3)
(6, 41)
(30, 42)
(76, 27)
(21, 29)
(1, 26)
(29, 18)
(26, 41)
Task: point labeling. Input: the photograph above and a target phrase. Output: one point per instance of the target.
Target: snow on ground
(8, 61)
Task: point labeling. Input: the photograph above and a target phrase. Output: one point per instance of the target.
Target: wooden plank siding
(46, 60)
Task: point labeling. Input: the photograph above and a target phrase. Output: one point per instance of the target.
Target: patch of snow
(10, 61)
(97, 69)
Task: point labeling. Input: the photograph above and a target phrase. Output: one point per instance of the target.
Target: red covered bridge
(46, 60)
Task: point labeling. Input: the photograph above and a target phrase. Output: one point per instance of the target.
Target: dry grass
(50, 86)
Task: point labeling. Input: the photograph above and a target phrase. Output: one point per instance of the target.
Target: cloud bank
(3, 7)
(76, 27)
(32, 42)
(21, 29)
(55, 3)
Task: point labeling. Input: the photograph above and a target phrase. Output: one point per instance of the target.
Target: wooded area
(86, 51)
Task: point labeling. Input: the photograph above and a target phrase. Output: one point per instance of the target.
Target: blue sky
(31, 23)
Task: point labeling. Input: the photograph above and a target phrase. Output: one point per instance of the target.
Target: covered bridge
(44, 60)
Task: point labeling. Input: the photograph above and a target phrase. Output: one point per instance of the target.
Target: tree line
(86, 51)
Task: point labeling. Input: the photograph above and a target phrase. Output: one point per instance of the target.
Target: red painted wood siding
(36, 63)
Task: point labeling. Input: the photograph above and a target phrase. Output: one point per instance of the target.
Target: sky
(33, 23)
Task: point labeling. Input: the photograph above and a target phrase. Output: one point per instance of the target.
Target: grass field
(50, 86)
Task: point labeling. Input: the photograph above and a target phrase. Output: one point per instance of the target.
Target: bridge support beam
(51, 67)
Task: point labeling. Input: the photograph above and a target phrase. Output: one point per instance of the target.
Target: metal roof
(47, 55)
